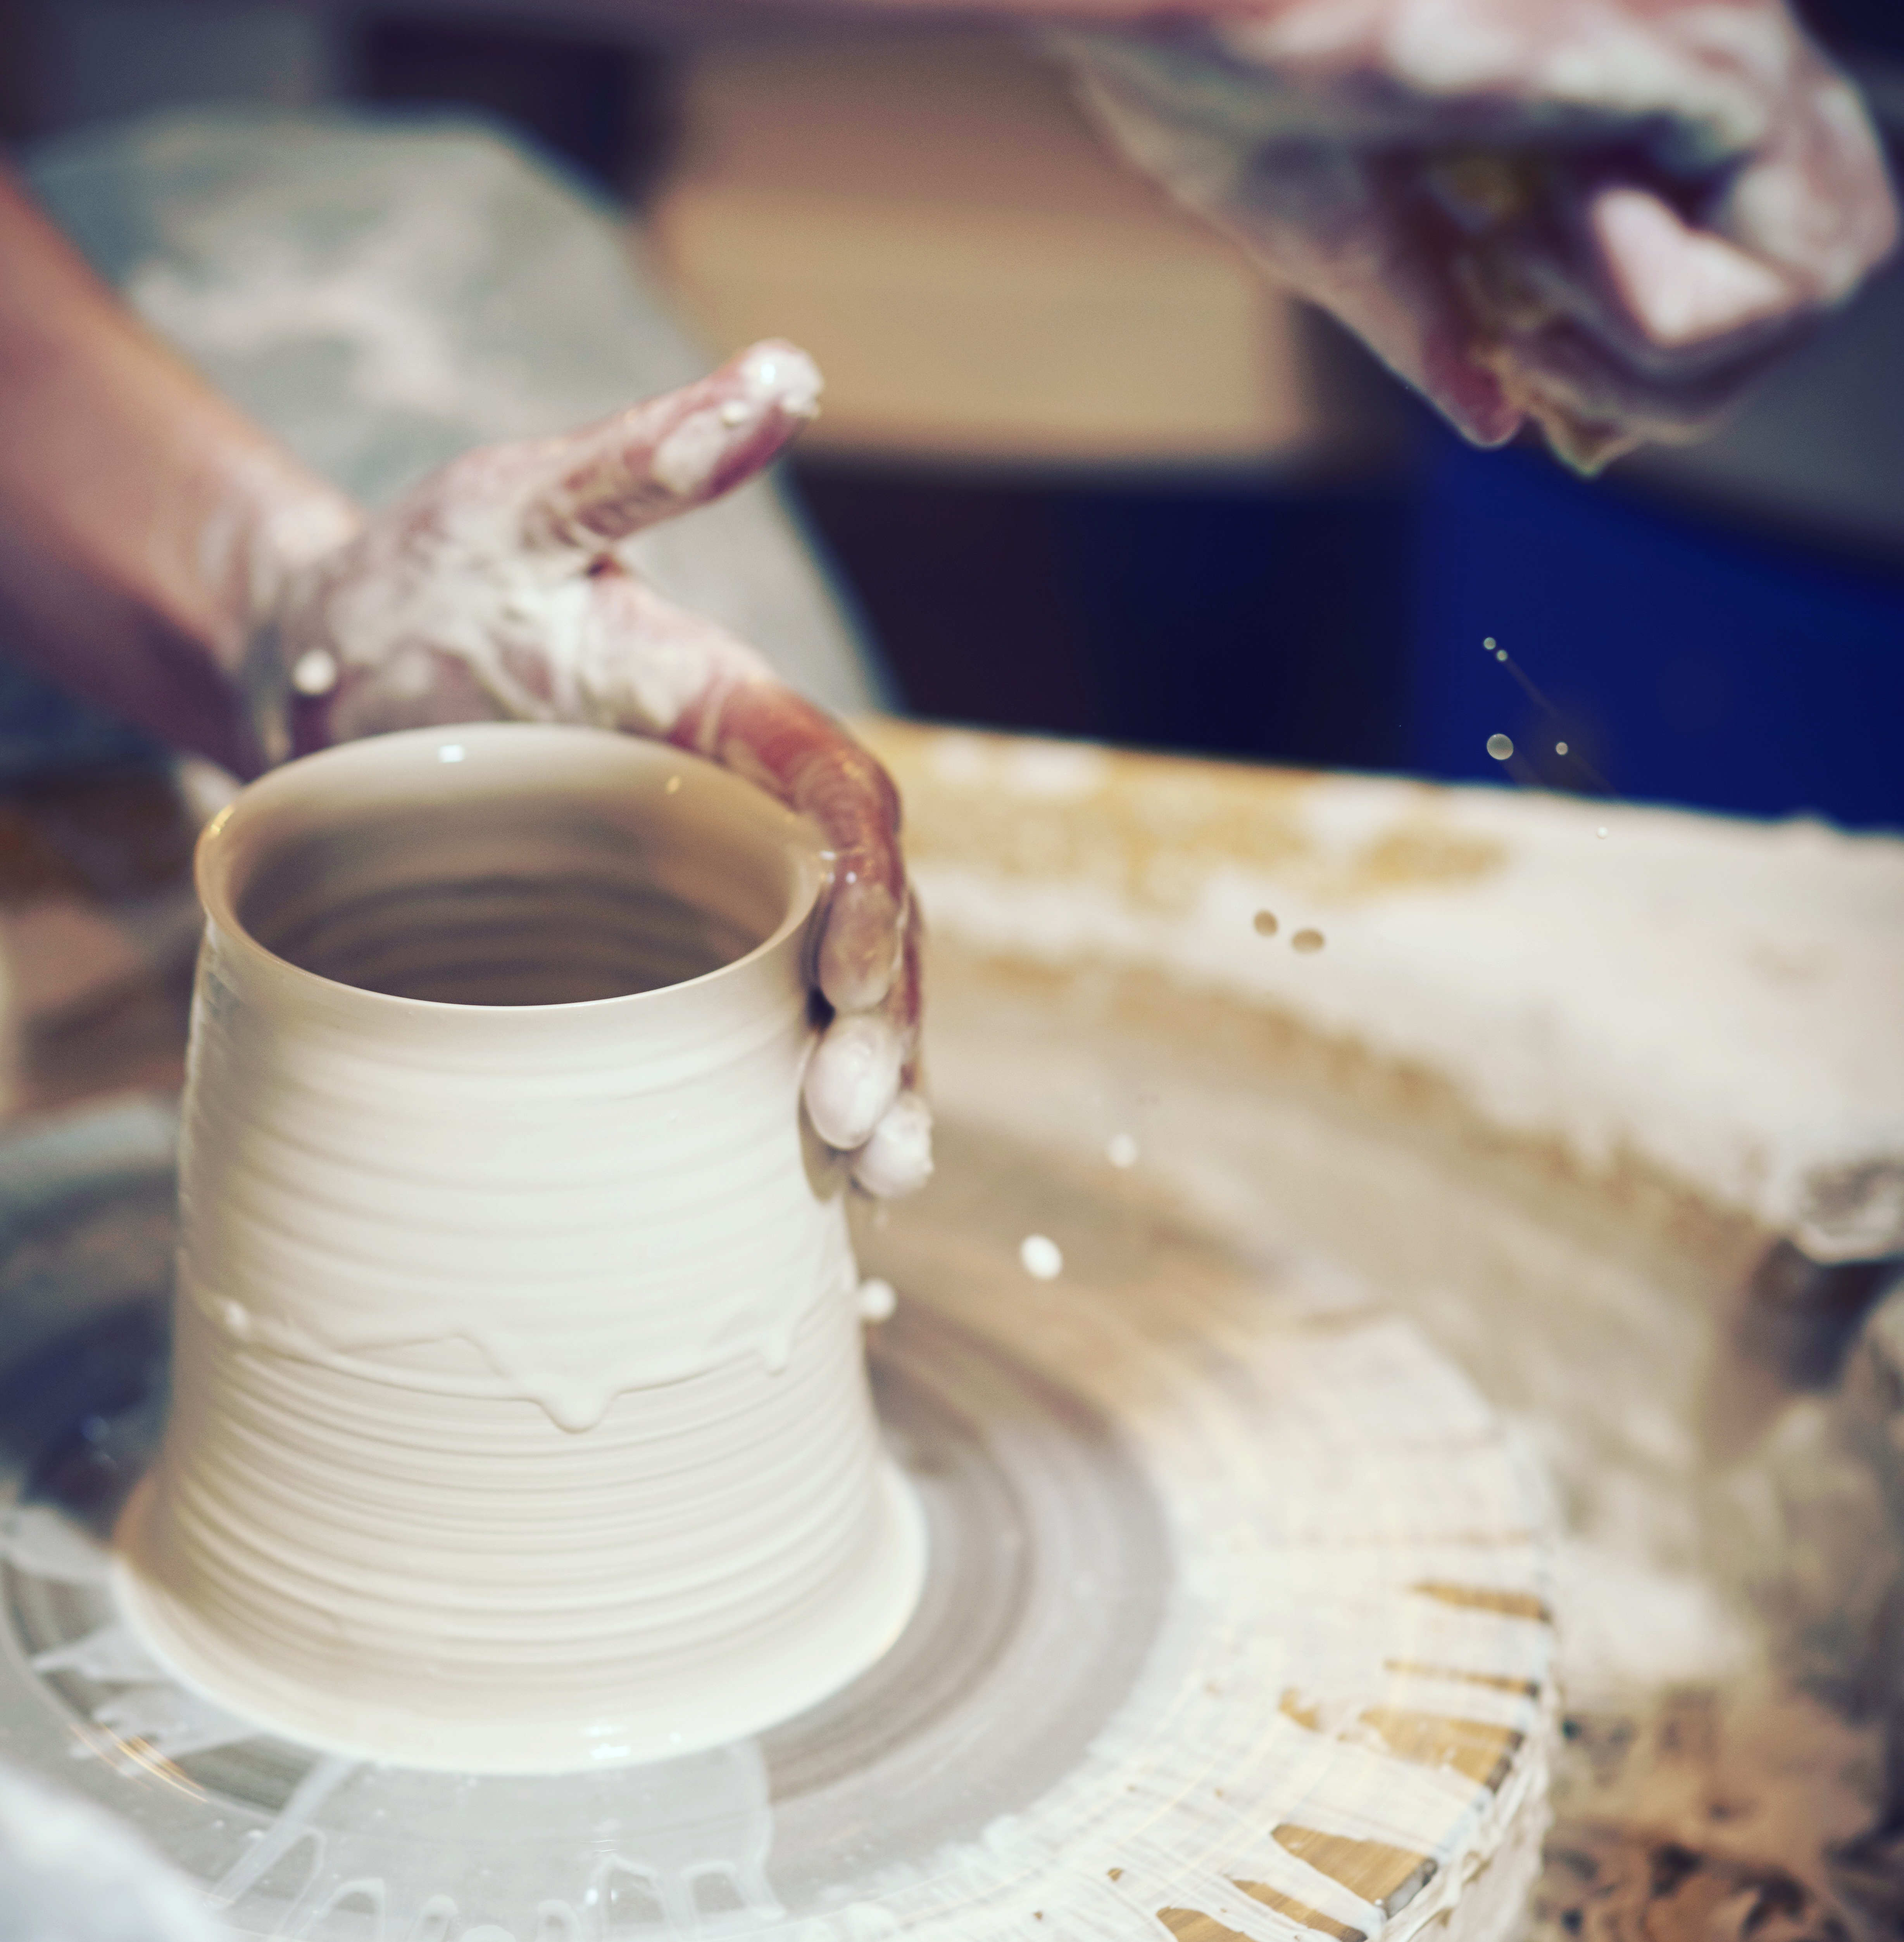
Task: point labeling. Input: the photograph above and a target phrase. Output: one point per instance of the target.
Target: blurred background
(1081, 470)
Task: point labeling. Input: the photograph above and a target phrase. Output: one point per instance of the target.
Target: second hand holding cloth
(495, 590)
(1605, 216)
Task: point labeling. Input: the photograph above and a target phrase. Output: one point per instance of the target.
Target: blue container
(1679, 659)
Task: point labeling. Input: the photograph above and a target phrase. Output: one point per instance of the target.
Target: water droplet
(1307, 942)
(1559, 748)
(1500, 747)
(1265, 923)
(1042, 1258)
(1121, 1151)
(316, 673)
(877, 1299)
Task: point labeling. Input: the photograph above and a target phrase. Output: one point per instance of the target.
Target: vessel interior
(562, 899)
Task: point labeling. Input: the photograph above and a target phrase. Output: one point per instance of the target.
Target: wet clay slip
(519, 1418)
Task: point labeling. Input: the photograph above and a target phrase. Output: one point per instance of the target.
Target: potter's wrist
(290, 535)
(288, 540)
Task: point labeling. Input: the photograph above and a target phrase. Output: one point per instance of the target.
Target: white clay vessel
(519, 1418)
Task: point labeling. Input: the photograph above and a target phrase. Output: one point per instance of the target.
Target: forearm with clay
(145, 523)
(159, 552)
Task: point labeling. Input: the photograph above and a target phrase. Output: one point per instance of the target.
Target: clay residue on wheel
(1152, 829)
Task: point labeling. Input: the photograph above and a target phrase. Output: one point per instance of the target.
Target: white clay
(848, 1093)
(519, 1417)
(1042, 1259)
(897, 1158)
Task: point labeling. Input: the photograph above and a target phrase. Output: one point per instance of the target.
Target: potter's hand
(495, 590)
(1604, 214)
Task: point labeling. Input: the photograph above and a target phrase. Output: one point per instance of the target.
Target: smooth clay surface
(519, 1417)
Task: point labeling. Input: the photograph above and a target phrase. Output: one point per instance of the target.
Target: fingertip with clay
(670, 454)
(777, 376)
(853, 1077)
(737, 421)
(897, 1158)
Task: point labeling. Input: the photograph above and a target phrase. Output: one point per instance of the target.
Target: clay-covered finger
(673, 452)
(857, 955)
(764, 730)
(853, 1077)
(897, 1158)
(863, 1068)
(665, 672)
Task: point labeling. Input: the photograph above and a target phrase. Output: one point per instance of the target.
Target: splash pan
(1236, 1624)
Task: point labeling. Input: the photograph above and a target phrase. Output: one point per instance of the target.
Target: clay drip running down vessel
(519, 1416)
